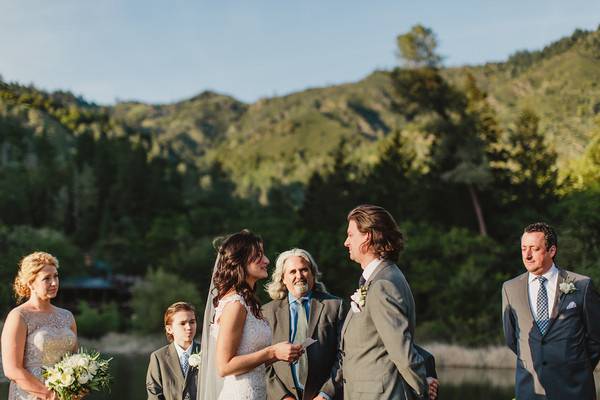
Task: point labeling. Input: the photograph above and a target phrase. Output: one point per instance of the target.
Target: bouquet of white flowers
(77, 374)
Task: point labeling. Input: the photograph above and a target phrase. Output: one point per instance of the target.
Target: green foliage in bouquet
(78, 374)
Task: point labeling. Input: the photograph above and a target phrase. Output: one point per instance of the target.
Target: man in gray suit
(301, 309)
(379, 358)
(552, 323)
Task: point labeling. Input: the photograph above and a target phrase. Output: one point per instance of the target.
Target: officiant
(302, 308)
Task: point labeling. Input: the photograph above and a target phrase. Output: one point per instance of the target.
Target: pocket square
(571, 305)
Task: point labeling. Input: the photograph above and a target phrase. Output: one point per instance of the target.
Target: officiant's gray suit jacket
(379, 359)
(165, 379)
(325, 322)
(559, 364)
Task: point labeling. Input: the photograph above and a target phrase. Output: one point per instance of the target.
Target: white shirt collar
(180, 351)
(370, 268)
(549, 275)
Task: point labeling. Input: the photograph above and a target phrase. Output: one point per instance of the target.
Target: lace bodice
(256, 336)
(49, 337)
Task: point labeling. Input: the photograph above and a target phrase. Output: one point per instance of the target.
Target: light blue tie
(301, 333)
(184, 363)
(543, 317)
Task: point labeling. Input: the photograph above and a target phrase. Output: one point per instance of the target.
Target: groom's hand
(319, 398)
(433, 385)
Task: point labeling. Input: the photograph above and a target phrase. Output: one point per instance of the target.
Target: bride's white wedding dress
(256, 336)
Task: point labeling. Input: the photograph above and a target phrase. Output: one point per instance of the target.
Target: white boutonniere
(567, 287)
(195, 360)
(359, 298)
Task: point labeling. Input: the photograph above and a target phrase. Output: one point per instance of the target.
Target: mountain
(285, 139)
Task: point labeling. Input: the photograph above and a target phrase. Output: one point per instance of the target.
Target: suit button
(544, 363)
(543, 342)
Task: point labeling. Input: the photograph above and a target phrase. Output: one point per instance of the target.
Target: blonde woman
(35, 333)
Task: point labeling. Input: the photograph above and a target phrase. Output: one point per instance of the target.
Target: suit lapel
(281, 331)
(316, 307)
(345, 326)
(558, 298)
(191, 370)
(173, 362)
(383, 265)
(523, 303)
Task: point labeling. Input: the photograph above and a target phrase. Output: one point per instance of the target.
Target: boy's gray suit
(560, 363)
(379, 359)
(165, 379)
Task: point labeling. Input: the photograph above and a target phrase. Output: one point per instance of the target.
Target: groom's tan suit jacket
(379, 359)
(165, 379)
(325, 322)
(560, 363)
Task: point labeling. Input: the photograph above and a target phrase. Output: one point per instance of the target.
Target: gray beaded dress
(49, 337)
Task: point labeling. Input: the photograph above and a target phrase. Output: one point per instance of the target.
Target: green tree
(417, 48)
(155, 293)
(93, 323)
(585, 171)
(532, 162)
(455, 277)
(459, 153)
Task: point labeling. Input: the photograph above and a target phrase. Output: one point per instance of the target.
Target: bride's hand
(286, 351)
(51, 395)
(81, 395)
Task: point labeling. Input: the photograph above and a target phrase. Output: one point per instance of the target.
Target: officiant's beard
(301, 288)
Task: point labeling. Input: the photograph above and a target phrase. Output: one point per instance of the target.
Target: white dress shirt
(534, 287)
(180, 352)
(370, 268)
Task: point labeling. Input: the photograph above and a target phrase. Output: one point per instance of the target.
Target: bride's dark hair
(235, 253)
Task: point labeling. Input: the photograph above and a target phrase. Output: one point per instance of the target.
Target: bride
(236, 339)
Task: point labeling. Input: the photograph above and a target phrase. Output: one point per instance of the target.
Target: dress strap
(228, 300)
(231, 299)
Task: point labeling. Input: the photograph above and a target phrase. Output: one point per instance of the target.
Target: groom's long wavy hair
(235, 253)
(385, 239)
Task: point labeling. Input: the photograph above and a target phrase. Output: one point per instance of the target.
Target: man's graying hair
(276, 288)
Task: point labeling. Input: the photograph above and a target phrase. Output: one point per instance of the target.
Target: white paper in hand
(307, 342)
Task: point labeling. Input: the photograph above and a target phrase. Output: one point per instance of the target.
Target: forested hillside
(463, 157)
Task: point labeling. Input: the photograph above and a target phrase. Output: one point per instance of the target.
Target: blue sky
(164, 51)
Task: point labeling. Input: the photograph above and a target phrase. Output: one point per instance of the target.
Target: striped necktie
(543, 317)
(184, 362)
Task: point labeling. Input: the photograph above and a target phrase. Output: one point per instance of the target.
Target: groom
(552, 323)
(379, 358)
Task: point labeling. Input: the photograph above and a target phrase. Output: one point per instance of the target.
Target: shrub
(154, 294)
(94, 323)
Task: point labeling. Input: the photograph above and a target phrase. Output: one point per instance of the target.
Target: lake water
(456, 383)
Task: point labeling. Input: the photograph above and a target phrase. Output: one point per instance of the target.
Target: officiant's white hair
(276, 288)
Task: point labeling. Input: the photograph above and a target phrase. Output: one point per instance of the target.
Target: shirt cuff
(324, 395)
